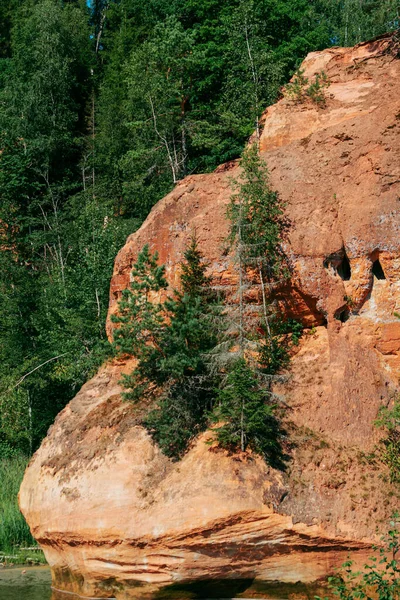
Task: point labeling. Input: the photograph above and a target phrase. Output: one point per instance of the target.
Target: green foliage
(316, 89)
(296, 88)
(193, 318)
(389, 419)
(193, 278)
(175, 342)
(158, 78)
(380, 576)
(170, 342)
(281, 337)
(227, 110)
(58, 243)
(257, 234)
(181, 414)
(14, 531)
(142, 322)
(189, 335)
(243, 407)
(256, 213)
(101, 110)
(184, 83)
(7, 10)
(245, 416)
(349, 301)
(54, 299)
(41, 98)
(352, 22)
(300, 89)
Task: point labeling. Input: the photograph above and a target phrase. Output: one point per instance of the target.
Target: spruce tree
(183, 409)
(141, 322)
(245, 417)
(257, 231)
(194, 318)
(191, 332)
(193, 278)
(258, 346)
(171, 342)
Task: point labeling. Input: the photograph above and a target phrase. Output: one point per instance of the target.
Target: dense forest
(103, 107)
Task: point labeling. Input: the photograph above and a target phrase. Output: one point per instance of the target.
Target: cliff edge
(117, 518)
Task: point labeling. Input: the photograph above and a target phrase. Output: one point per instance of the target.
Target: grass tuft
(14, 531)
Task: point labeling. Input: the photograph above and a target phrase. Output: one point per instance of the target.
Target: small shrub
(316, 89)
(301, 89)
(380, 577)
(296, 88)
(312, 331)
(389, 419)
(349, 301)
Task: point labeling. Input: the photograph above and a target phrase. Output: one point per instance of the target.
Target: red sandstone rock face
(112, 513)
(108, 507)
(336, 168)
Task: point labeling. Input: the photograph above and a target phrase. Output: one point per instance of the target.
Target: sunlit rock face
(118, 519)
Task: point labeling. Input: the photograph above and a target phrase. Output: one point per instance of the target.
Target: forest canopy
(103, 107)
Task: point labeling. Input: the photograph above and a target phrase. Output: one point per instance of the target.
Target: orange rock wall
(336, 168)
(113, 515)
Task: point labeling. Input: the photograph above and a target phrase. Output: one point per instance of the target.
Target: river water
(34, 583)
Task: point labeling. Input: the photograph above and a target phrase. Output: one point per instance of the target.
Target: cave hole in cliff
(344, 269)
(343, 314)
(377, 270)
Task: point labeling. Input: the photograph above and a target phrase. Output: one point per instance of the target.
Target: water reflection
(240, 589)
(66, 596)
(32, 583)
(35, 584)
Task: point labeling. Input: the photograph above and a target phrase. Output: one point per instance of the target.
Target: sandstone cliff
(117, 518)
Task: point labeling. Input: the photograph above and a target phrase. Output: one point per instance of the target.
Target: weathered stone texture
(113, 515)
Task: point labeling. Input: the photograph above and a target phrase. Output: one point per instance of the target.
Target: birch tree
(254, 74)
(159, 83)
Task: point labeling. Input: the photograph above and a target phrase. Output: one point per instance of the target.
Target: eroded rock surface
(117, 518)
(111, 508)
(338, 171)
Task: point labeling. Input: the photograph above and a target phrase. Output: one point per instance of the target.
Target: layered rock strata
(117, 518)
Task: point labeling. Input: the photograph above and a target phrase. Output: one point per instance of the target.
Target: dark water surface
(32, 583)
